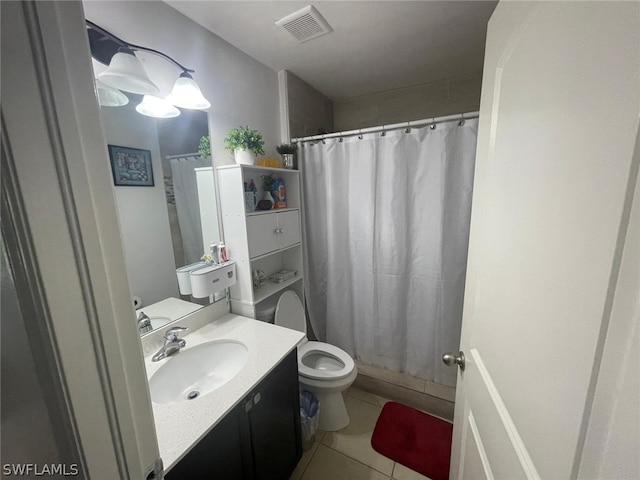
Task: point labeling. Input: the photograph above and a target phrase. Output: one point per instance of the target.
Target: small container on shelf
(282, 276)
(259, 279)
(269, 162)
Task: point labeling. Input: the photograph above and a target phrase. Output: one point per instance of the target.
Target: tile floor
(347, 454)
(432, 398)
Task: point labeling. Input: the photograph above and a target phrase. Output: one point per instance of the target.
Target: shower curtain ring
(383, 133)
(408, 129)
(461, 122)
(340, 140)
(323, 142)
(360, 137)
(433, 124)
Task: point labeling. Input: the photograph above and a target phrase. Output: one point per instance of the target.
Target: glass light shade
(186, 94)
(110, 97)
(126, 73)
(157, 107)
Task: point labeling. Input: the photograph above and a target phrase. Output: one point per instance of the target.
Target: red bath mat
(414, 439)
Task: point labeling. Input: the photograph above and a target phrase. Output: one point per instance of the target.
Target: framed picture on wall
(131, 167)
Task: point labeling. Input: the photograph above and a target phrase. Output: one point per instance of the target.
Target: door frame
(66, 238)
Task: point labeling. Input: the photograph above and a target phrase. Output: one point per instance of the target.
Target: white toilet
(323, 369)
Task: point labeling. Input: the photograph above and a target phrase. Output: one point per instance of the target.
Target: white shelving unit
(268, 240)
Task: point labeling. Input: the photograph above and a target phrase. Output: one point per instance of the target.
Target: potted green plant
(287, 148)
(268, 185)
(245, 144)
(267, 182)
(287, 151)
(205, 146)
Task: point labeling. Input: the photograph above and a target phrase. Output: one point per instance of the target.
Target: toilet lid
(328, 358)
(290, 312)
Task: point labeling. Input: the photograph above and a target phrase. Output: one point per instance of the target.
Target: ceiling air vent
(305, 24)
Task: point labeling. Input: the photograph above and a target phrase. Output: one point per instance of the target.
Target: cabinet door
(289, 228)
(262, 234)
(222, 454)
(275, 422)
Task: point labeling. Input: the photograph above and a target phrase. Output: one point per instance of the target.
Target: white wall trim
(283, 93)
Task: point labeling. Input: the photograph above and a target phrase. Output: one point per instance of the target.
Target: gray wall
(142, 211)
(309, 109)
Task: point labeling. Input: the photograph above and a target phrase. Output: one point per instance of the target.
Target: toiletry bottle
(279, 194)
(214, 253)
(222, 253)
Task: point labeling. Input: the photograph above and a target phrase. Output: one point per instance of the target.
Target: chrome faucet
(172, 343)
(144, 322)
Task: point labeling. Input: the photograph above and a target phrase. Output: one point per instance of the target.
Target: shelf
(260, 257)
(258, 168)
(273, 210)
(269, 288)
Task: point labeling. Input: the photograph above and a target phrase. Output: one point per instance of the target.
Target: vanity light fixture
(186, 94)
(125, 72)
(157, 107)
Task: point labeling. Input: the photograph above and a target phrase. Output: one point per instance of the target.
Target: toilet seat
(330, 352)
(332, 363)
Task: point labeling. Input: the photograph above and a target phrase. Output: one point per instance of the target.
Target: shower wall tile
(390, 376)
(434, 99)
(440, 391)
(309, 109)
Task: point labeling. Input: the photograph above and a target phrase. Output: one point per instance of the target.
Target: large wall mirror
(169, 222)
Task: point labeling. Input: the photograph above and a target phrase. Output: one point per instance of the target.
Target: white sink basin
(197, 371)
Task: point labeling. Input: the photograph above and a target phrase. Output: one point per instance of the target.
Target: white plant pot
(245, 157)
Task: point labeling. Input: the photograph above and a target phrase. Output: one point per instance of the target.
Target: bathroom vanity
(248, 428)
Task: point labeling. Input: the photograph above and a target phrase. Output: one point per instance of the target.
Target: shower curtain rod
(394, 126)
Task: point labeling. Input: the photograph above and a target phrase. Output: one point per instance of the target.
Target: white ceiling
(375, 45)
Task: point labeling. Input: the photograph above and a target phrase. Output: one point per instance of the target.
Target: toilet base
(333, 414)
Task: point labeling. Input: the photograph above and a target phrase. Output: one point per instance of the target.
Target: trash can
(309, 411)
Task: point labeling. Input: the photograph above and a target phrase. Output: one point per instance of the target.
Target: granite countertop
(179, 426)
(172, 308)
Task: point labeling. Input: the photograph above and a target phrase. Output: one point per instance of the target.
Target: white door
(558, 120)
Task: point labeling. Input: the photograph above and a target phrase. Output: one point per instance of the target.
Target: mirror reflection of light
(125, 72)
(157, 107)
(110, 97)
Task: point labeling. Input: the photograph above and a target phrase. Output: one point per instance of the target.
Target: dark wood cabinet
(259, 439)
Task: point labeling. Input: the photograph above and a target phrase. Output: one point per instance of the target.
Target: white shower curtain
(185, 189)
(386, 232)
